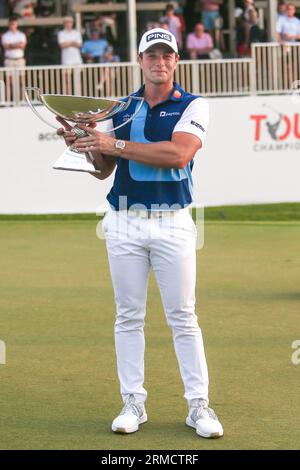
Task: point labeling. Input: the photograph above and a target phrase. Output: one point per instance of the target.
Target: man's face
(158, 64)
(170, 12)
(95, 35)
(13, 26)
(68, 25)
(282, 8)
(291, 10)
(199, 29)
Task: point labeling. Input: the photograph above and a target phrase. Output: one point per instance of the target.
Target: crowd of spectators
(53, 45)
(200, 27)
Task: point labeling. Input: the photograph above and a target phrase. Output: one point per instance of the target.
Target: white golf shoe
(204, 419)
(131, 416)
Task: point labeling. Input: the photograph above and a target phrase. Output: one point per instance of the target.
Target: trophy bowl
(80, 110)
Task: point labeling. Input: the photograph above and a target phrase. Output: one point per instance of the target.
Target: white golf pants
(167, 245)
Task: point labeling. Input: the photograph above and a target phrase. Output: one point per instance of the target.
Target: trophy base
(75, 161)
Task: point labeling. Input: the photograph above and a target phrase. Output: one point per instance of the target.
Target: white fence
(87, 80)
(210, 78)
(273, 68)
(277, 67)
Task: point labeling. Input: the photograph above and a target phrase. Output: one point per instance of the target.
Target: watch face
(120, 144)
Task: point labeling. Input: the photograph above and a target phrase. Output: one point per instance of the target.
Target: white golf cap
(157, 36)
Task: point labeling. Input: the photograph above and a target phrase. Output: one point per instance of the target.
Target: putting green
(59, 387)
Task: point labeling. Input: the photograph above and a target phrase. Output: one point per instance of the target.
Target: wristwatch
(120, 144)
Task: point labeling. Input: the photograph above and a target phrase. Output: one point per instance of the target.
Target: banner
(251, 155)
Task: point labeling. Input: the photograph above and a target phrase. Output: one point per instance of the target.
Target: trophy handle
(38, 92)
(139, 107)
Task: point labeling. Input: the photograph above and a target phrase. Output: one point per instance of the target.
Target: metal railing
(108, 80)
(273, 68)
(224, 77)
(277, 67)
(208, 78)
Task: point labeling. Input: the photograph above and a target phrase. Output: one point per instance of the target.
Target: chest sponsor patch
(126, 117)
(194, 123)
(165, 113)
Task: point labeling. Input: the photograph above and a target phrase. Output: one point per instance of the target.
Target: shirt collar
(177, 93)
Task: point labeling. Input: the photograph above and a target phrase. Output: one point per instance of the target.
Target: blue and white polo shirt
(152, 187)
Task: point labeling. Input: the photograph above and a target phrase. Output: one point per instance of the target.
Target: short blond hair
(68, 18)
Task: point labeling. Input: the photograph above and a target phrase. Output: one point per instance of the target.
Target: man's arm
(16, 45)
(192, 54)
(187, 138)
(63, 45)
(174, 154)
(105, 163)
(204, 50)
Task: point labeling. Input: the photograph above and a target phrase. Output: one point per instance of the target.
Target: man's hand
(288, 36)
(96, 142)
(105, 164)
(67, 132)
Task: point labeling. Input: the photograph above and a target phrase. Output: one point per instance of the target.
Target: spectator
(70, 42)
(106, 25)
(23, 8)
(250, 13)
(288, 28)
(109, 56)
(282, 10)
(210, 13)
(109, 26)
(174, 23)
(199, 44)
(247, 29)
(14, 43)
(93, 49)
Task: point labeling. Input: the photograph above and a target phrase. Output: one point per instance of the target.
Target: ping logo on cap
(164, 36)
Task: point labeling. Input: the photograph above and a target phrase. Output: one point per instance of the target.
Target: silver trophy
(81, 110)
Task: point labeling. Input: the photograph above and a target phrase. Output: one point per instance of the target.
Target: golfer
(149, 226)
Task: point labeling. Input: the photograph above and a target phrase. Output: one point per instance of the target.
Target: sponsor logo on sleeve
(194, 123)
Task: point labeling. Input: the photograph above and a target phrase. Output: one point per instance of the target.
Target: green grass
(58, 389)
(255, 212)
